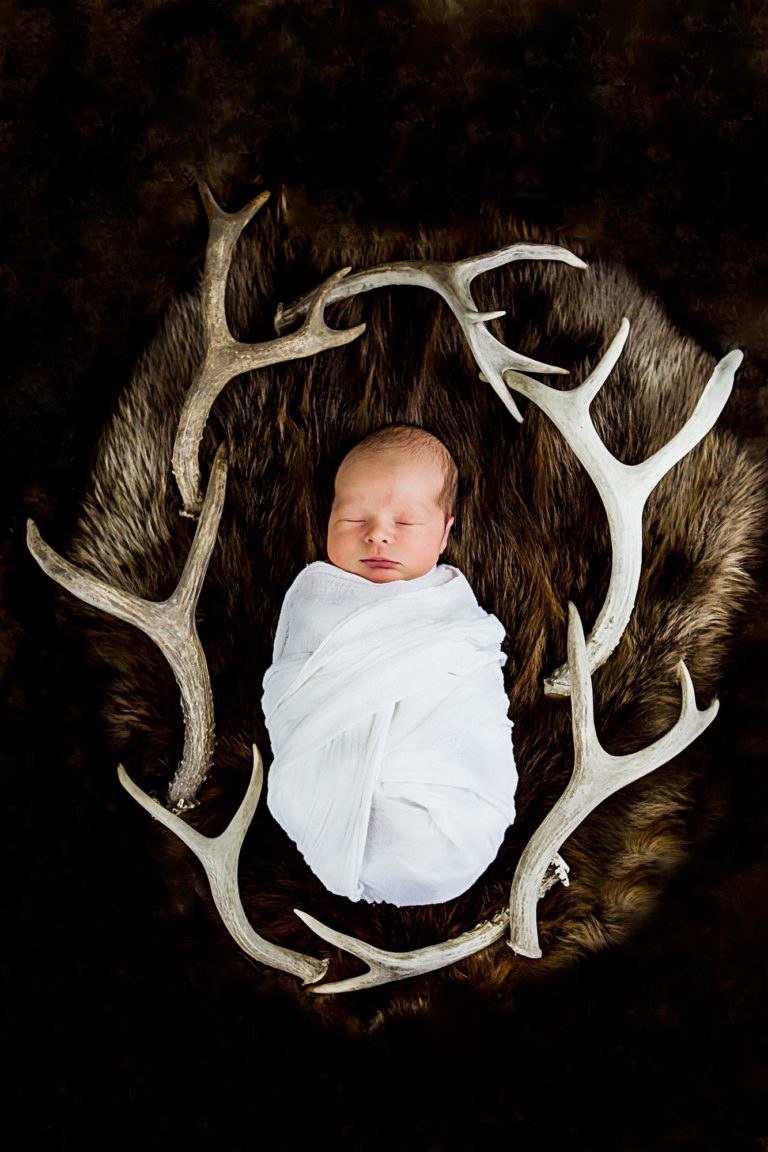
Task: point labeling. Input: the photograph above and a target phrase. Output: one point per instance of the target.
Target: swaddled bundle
(393, 766)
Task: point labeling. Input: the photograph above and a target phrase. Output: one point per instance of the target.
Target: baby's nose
(377, 530)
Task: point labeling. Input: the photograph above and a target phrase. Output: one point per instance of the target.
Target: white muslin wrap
(393, 767)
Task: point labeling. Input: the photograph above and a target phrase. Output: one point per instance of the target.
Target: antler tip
(484, 317)
(221, 459)
(530, 951)
(319, 973)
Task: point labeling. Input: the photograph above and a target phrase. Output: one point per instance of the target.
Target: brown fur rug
(628, 136)
(532, 535)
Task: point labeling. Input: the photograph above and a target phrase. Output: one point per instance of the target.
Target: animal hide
(531, 535)
(629, 133)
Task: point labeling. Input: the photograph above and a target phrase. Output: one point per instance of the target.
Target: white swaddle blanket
(393, 766)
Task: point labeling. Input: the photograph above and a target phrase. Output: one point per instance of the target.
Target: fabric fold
(393, 768)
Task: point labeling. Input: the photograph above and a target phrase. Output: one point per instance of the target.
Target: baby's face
(385, 522)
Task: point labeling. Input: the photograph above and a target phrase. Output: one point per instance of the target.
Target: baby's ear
(448, 526)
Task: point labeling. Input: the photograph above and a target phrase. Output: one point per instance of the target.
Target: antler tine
(452, 280)
(226, 357)
(219, 856)
(623, 488)
(170, 624)
(224, 229)
(596, 776)
(384, 967)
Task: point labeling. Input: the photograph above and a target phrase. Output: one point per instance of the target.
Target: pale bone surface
(624, 490)
(226, 357)
(219, 856)
(596, 776)
(452, 280)
(170, 624)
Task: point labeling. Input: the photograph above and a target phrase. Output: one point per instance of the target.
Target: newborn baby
(393, 766)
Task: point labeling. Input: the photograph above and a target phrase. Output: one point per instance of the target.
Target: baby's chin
(376, 575)
(383, 575)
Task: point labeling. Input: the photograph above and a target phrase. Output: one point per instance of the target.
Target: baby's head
(392, 505)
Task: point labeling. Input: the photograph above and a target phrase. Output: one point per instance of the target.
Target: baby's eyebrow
(359, 504)
(345, 505)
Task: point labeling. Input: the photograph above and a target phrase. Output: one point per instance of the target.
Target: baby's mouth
(379, 562)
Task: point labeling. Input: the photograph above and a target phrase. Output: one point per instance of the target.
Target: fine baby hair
(419, 443)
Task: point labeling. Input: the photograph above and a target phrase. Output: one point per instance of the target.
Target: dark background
(640, 127)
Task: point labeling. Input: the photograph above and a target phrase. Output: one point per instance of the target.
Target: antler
(452, 281)
(170, 624)
(219, 856)
(596, 776)
(623, 488)
(226, 357)
(384, 967)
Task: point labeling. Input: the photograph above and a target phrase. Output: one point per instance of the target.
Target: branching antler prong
(170, 624)
(385, 967)
(321, 297)
(216, 213)
(452, 281)
(224, 357)
(596, 775)
(485, 317)
(623, 488)
(465, 271)
(224, 230)
(219, 856)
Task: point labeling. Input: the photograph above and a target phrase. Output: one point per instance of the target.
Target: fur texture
(530, 535)
(635, 127)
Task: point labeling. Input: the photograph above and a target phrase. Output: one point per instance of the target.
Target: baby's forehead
(392, 458)
(396, 471)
